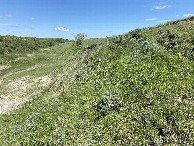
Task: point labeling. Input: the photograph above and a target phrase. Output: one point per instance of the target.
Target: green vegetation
(11, 43)
(131, 89)
(79, 39)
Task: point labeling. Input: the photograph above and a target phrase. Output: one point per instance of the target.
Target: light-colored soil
(28, 82)
(10, 104)
(4, 67)
(14, 93)
(21, 58)
(45, 49)
(21, 91)
(30, 55)
(20, 85)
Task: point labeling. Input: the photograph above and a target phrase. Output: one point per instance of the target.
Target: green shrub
(108, 103)
(136, 34)
(79, 39)
(13, 43)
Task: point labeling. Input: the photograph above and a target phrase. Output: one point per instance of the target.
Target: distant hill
(12, 43)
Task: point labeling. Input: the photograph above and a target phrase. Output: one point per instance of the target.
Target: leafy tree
(79, 39)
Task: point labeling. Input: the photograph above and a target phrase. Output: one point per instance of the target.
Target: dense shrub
(79, 39)
(136, 34)
(108, 103)
(11, 43)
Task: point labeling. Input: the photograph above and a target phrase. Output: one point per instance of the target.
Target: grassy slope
(128, 90)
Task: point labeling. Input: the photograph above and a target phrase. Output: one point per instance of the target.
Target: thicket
(177, 37)
(79, 39)
(139, 92)
(12, 43)
(139, 87)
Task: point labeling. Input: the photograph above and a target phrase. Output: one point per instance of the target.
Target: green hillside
(131, 89)
(14, 44)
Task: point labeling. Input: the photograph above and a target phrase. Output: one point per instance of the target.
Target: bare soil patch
(46, 49)
(21, 58)
(22, 90)
(30, 55)
(10, 104)
(4, 67)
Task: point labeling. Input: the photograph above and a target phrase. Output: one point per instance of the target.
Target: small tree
(79, 39)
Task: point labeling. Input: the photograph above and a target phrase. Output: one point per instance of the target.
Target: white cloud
(161, 7)
(188, 15)
(177, 16)
(8, 15)
(157, 20)
(109, 32)
(61, 29)
(99, 34)
(23, 33)
(163, 21)
(11, 25)
(32, 18)
(151, 19)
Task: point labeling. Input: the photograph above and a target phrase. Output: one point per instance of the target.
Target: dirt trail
(11, 104)
(6, 75)
(32, 68)
(14, 93)
(21, 91)
(4, 67)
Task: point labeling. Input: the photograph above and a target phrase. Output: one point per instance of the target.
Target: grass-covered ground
(132, 89)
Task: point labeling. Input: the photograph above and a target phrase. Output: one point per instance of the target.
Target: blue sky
(96, 18)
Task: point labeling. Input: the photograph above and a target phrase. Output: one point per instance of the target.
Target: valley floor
(25, 77)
